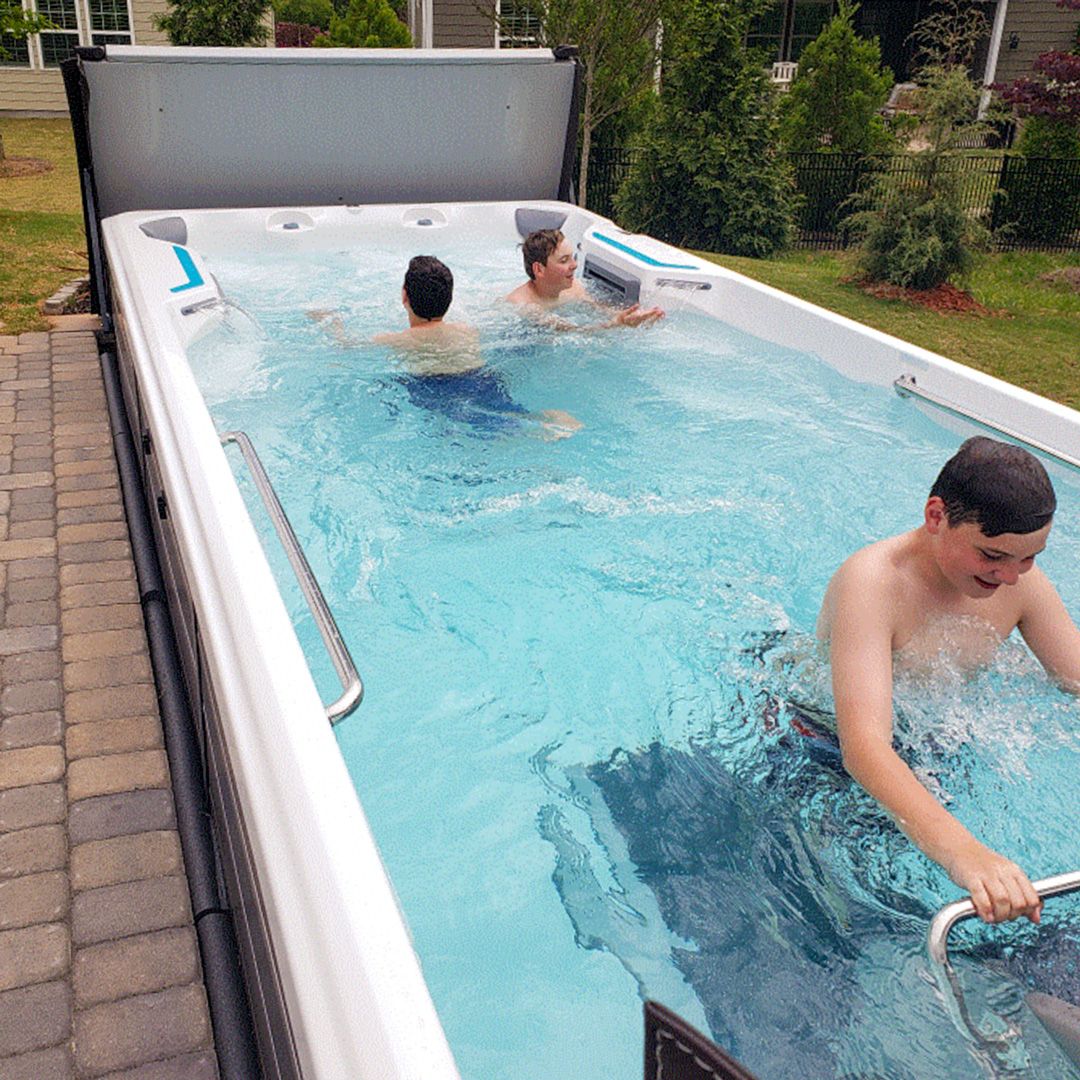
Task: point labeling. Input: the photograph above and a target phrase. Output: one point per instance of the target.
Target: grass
(42, 244)
(1032, 340)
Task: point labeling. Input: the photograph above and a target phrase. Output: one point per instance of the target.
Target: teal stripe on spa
(187, 264)
(644, 258)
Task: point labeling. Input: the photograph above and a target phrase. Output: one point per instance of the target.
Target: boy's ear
(934, 516)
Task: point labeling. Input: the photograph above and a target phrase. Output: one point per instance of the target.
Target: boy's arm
(634, 315)
(1049, 631)
(861, 654)
(331, 321)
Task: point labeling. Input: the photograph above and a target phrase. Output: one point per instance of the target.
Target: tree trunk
(1, 146)
(586, 139)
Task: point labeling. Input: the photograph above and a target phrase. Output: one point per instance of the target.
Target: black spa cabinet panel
(269, 1014)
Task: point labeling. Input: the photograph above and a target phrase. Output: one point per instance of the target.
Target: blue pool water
(582, 658)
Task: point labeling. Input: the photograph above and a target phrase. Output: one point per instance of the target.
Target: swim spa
(582, 657)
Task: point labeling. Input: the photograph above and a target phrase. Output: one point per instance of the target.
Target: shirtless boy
(969, 567)
(430, 346)
(550, 265)
(443, 361)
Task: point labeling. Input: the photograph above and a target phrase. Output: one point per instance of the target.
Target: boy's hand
(636, 315)
(999, 889)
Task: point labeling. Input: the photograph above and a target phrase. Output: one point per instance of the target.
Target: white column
(992, 56)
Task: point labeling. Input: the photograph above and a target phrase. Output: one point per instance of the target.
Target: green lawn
(1033, 341)
(42, 245)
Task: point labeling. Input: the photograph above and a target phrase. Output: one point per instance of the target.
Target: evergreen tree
(215, 22)
(367, 24)
(304, 12)
(616, 42)
(840, 87)
(916, 229)
(710, 175)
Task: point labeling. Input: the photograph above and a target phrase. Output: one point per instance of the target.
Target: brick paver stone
(40, 804)
(30, 851)
(52, 1064)
(90, 858)
(30, 765)
(125, 858)
(132, 908)
(33, 898)
(34, 1017)
(33, 954)
(136, 1030)
(117, 772)
(120, 815)
(200, 1066)
(30, 729)
(135, 965)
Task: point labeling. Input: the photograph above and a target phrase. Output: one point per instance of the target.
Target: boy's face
(558, 272)
(976, 564)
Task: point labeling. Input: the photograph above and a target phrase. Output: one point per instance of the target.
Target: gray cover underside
(203, 128)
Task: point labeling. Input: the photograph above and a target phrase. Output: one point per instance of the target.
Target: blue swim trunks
(477, 398)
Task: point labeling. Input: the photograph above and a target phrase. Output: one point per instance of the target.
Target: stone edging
(57, 303)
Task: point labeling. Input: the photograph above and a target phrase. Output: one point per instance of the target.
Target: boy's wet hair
(538, 246)
(1001, 487)
(429, 285)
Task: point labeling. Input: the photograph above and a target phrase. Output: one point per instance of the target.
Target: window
(788, 26)
(14, 53)
(810, 18)
(767, 31)
(75, 22)
(518, 26)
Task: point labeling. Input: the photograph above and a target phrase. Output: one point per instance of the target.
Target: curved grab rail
(938, 935)
(353, 687)
(907, 386)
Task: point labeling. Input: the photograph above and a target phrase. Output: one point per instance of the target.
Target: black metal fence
(1028, 204)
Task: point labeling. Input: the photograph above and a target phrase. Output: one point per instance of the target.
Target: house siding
(1040, 26)
(459, 25)
(36, 90)
(23, 90)
(142, 22)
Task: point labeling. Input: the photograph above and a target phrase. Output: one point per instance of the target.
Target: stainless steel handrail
(351, 683)
(906, 386)
(943, 922)
(992, 1048)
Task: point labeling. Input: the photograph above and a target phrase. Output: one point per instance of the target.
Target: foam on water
(586, 661)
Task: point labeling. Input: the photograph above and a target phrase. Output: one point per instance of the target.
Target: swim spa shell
(478, 398)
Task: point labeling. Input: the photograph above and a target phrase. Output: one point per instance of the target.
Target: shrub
(915, 228)
(304, 12)
(840, 86)
(367, 24)
(215, 22)
(1050, 137)
(289, 35)
(710, 175)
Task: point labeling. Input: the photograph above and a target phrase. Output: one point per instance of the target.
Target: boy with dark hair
(550, 265)
(435, 346)
(429, 287)
(957, 586)
(446, 373)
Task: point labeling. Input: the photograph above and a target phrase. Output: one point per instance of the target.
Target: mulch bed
(23, 166)
(945, 299)
(79, 304)
(1066, 275)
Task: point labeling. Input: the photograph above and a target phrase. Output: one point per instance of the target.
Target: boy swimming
(960, 582)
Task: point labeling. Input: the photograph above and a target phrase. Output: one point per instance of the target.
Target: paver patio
(99, 966)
